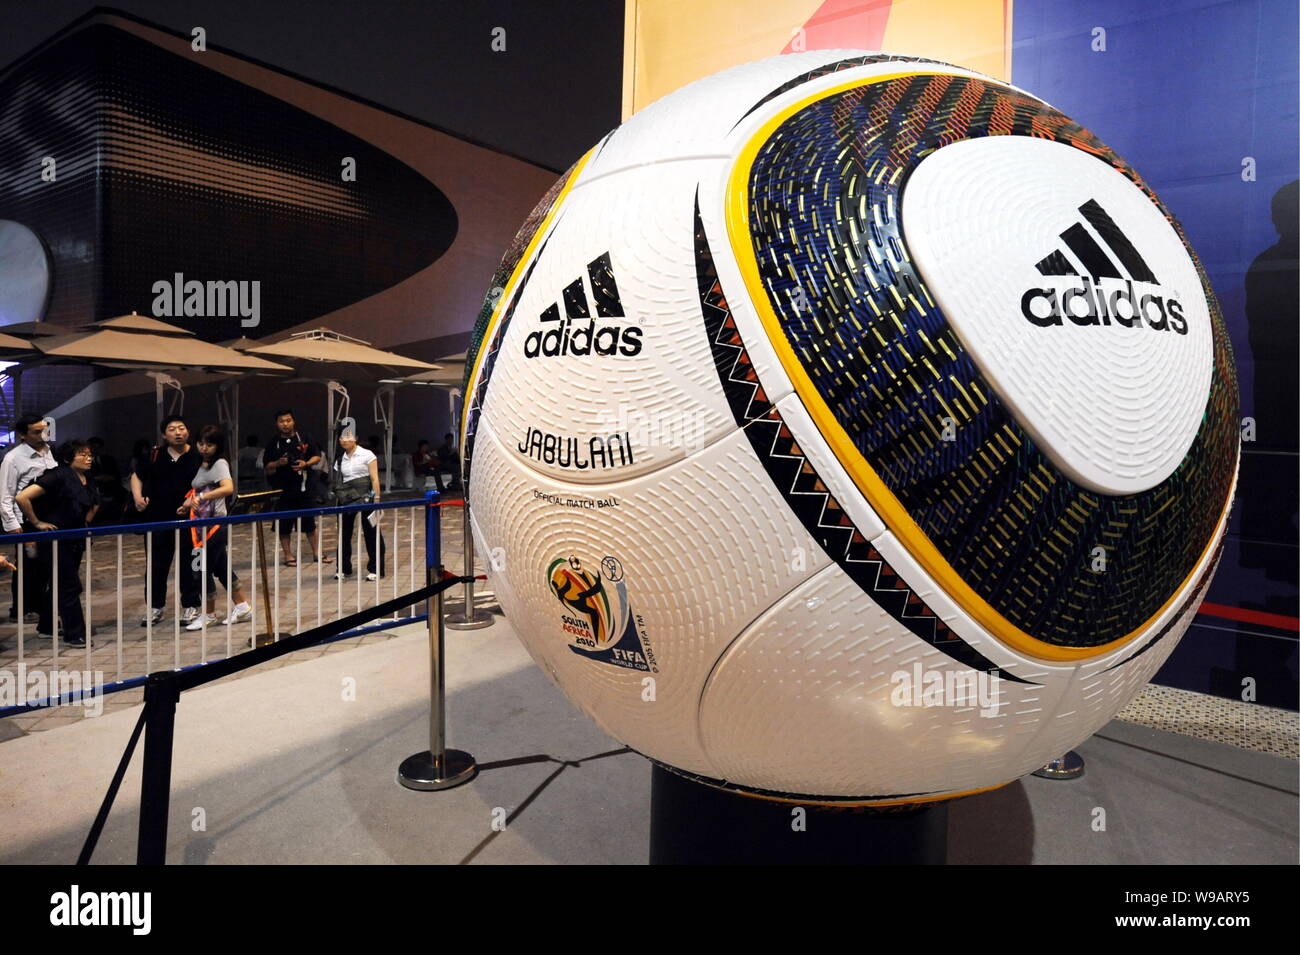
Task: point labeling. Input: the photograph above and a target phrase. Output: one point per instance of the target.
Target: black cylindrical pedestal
(695, 824)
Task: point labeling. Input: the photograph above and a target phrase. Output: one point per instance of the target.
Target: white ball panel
(693, 571)
(1115, 408)
(695, 121)
(1031, 706)
(816, 697)
(664, 400)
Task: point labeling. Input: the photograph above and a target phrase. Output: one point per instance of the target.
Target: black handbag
(352, 492)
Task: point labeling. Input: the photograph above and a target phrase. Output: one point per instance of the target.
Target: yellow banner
(669, 43)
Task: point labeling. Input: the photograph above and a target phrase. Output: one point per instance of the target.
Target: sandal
(291, 562)
(327, 559)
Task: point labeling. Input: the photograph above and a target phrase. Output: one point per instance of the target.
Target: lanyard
(196, 535)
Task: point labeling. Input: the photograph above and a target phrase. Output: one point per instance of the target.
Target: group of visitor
(44, 489)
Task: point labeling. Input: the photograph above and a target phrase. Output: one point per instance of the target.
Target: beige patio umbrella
(13, 349)
(334, 350)
(138, 343)
(330, 357)
(12, 345)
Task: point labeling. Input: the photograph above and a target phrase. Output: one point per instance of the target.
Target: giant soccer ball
(850, 428)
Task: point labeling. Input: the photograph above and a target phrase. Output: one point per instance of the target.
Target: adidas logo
(578, 333)
(1105, 271)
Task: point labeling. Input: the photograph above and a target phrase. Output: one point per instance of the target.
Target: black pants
(295, 500)
(35, 579)
(164, 547)
(216, 564)
(370, 535)
(68, 596)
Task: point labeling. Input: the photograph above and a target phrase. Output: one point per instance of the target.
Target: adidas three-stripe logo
(1105, 273)
(1090, 254)
(576, 332)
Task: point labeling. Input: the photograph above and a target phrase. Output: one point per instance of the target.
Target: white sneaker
(154, 616)
(203, 620)
(372, 576)
(189, 616)
(239, 614)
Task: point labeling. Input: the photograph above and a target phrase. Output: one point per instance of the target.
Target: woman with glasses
(63, 499)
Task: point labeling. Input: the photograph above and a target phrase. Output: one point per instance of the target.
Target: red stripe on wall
(844, 24)
(1280, 621)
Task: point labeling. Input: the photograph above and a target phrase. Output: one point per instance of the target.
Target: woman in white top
(211, 486)
(356, 479)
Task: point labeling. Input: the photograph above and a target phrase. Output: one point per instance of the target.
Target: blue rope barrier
(114, 530)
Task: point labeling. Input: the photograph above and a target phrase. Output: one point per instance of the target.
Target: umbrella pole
(388, 441)
(234, 428)
(233, 445)
(329, 424)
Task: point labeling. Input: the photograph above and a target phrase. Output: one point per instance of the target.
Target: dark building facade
(232, 199)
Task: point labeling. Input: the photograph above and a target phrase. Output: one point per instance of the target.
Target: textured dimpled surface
(726, 601)
(1114, 407)
(828, 675)
(676, 534)
(644, 378)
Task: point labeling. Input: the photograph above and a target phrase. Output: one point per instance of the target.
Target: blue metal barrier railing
(434, 769)
(391, 538)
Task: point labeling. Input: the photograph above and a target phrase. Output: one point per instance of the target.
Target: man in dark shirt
(449, 460)
(159, 483)
(289, 460)
(63, 498)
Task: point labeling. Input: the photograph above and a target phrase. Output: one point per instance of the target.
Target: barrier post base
(425, 773)
(695, 824)
(1069, 766)
(474, 620)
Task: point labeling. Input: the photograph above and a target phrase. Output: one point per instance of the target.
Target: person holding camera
(289, 460)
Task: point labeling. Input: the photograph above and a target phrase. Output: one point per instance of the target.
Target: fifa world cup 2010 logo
(583, 594)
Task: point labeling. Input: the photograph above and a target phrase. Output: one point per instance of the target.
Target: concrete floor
(278, 767)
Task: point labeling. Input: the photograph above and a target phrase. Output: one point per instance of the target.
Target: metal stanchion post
(437, 767)
(160, 698)
(469, 617)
